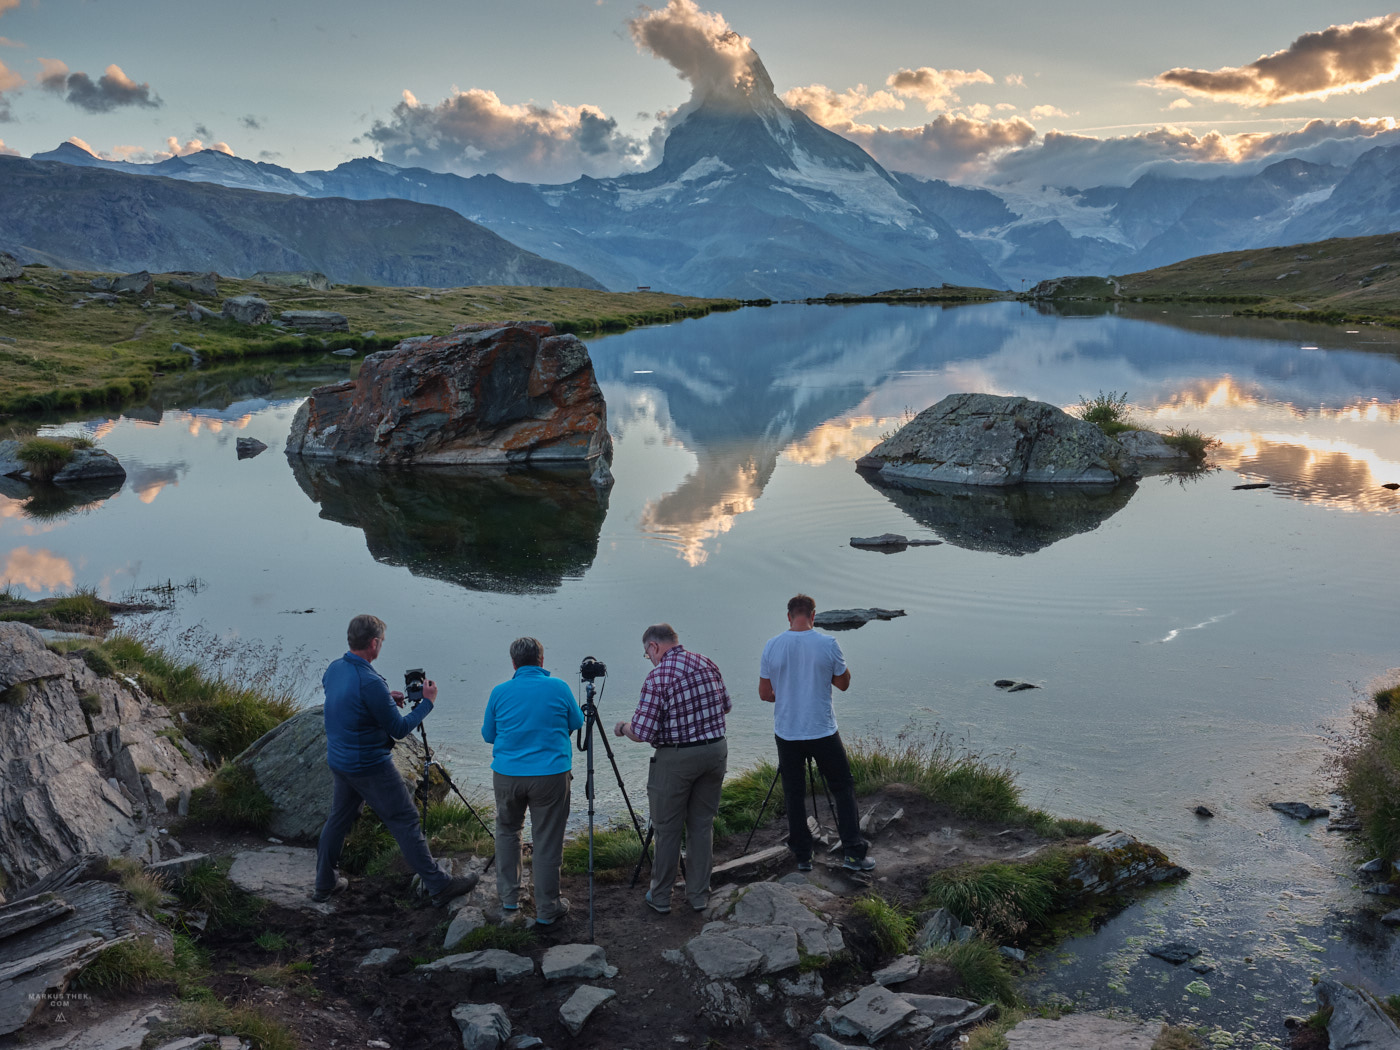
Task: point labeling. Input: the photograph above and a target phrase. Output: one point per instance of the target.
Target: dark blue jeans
(386, 793)
(830, 756)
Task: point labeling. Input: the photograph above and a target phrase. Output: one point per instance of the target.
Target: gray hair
(526, 652)
(363, 629)
(660, 632)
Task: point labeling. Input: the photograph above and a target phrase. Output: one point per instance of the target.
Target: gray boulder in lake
(987, 439)
(91, 764)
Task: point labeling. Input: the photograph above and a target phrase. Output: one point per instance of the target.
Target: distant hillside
(89, 218)
(1351, 275)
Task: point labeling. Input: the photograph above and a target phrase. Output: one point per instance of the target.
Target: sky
(996, 93)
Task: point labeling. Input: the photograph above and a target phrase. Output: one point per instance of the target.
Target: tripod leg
(603, 735)
(646, 856)
(759, 819)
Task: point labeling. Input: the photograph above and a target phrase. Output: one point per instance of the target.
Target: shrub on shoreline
(1368, 768)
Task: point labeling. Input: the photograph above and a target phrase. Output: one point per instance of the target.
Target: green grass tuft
(125, 967)
(272, 941)
(1192, 442)
(616, 851)
(1108, 412)
(1368, 767)
(1002, 901)
(15, 694)
(983, 972)
(207, 1014)
(742, 797)
(208, 889)
(508, 938)
(45, 457)
(891, 926)
(231, 799)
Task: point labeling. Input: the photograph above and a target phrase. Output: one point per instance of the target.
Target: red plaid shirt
(683, 700)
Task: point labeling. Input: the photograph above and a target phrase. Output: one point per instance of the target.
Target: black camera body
(413, 685)
(591, 669)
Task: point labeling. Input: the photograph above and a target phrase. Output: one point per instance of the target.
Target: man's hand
(396, 696)
(430, 691)
(765, 691)
(620, 729)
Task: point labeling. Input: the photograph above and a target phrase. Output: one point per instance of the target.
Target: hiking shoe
(660, 909)
(321, 896)
(460, 885)
(804, 865)
(564, 906)
(858, 864)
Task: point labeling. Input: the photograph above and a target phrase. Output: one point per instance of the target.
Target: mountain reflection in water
(1020, 519)
(513, 533)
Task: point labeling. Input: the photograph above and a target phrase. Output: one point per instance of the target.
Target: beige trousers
(683, 788)
(547, 799)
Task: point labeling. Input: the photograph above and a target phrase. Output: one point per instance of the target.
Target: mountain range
(753, 199)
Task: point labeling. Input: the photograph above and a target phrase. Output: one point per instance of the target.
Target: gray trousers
(547, 799)
(683, 788)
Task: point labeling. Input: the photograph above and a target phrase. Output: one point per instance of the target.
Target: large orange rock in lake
(487, 394)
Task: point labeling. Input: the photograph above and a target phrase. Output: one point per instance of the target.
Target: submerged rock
(484, 395)
(986, 439)
(849, 619)
(1358, 1020)
(1299, 810)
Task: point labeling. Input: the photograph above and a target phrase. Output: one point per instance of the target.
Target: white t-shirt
(801, 664)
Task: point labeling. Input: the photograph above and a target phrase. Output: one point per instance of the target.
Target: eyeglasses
(646, 650)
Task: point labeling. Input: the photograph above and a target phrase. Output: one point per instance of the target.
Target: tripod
(424, 785)
(812, 784)
(591, 721)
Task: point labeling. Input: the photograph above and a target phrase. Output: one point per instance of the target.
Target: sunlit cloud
(6, 151)
(7, 42)
(473, 132)
(9, 81)
(1180, 103)
(1336, 60)
(37, 570)
(112, 90)
(702, 47)
(936, 88)
(142, 155)
(1042, 112)
(828, 107)
(948, 146)
(848, 438)
(8, 5)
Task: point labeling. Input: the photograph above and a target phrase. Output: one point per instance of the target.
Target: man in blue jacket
(528, 722)
(362, 723)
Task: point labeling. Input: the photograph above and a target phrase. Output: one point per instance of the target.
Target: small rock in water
(1202, 811)
(1255, 485)
(344, 351)
(1174, 952)
(1372, 867)
(1392, 918)
(1202, 968)
(848, 619)
(1299, 810)
(1392, 485)
(1010, 685)
(1383, 889)
(1012, 953)
(248, 447)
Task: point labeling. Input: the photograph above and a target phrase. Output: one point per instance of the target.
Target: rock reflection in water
(515, 533)
(1018, 520)
(46, 501)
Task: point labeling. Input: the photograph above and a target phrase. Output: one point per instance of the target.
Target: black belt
(694, 743)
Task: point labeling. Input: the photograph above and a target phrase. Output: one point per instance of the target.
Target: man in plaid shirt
(681, 715)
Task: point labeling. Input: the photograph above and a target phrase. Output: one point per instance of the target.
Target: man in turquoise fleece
(528, 722)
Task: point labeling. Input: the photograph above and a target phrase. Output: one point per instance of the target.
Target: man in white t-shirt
(796, 674)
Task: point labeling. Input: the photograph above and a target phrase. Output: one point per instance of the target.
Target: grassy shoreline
(71, 350)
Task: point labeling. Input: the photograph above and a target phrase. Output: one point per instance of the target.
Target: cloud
(142, 155)
(949, 146)
(9, 80)
(251, 122)
(829, 107)
(6, 151)
(110, 91)
(473, 132)
(202, 132)
(1042, 112)
(7, 42)
(6, 5)
(1014, 80)
(1340, 58)
(701, 46)
(936, 87)
(1071, 159)
(1180, 103)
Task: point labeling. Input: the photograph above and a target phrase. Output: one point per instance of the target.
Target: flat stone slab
(777, 945)
(284, 875)
(849, 619)
(873, 1014)
(940, 1008)
(576, 1010)
(484, 1026)
(124, 1031)
(775, 904)
(379, 956)
(719, 955)
(904, 968)
(1081, 1032)
(1174, 952)
(503, 965)
(588, 961)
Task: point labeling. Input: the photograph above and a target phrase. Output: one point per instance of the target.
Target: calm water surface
(1192, 643)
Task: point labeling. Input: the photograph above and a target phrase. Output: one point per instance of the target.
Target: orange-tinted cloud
(37, 570)
(1340, 58)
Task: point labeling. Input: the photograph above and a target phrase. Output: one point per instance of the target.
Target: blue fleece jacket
(528, 722)
(362, 720)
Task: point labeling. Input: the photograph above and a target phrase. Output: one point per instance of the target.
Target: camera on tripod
(413, 685)
(591, 669)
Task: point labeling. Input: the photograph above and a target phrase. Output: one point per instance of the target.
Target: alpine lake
(1192, 642)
